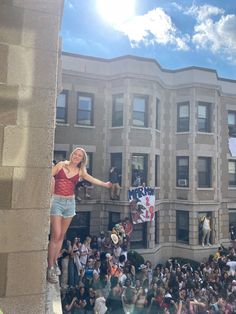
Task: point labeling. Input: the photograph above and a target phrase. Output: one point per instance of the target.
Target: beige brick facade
(131, 76)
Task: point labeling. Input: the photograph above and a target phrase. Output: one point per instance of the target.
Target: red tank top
(63, 185)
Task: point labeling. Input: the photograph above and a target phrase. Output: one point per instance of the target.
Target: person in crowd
(128, 229)
(140, 301)
(232, 232)
(74, 265)
(65, 255)
(100, 303)
(65, 175)
(206, 230)
(85, 251)
(114, 300)
(101, 240)
(89, 308)
(172, 287)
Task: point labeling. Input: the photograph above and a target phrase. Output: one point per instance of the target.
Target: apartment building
(176, 129)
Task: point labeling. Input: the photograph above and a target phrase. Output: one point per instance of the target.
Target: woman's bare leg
(59, 226)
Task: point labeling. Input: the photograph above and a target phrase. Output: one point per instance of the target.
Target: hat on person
(108, 255)
(114, 238)
(142, 266)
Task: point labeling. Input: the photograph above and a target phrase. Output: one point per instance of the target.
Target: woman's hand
(108, 185)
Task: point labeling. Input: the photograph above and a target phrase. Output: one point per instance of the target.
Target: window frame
(91, 115)
(234, 174)
(144, 172)
(144, 113)
(90, 163)
(157, 114)
(135, 242)
(231, 127)
(180, 126)
(116, 161)
(208, 172)
(208, 123)
(65, 107)
(59, 152)
(180, 238)
(157, 170)
(179, 175)
(115, 113)
(113, 219)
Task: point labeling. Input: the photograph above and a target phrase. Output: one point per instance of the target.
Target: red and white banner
(142, 204)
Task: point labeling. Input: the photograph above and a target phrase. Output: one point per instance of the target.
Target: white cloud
(217, 35)
(204, 12)
(155, 27)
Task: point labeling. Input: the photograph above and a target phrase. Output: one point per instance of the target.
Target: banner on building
(142, 204)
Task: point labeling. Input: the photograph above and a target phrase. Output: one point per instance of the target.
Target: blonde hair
(83, 163)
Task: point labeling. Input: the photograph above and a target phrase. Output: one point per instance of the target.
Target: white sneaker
(203, 244)
(51, 276)
(209, 244)
(57, 270)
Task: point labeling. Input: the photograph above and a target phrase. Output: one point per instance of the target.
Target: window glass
(140, 111)
(157, 114)
(117, 110)
(116, 161)
(138, 238)
(204, 123)
(61, 109)
(183, 117)
(232, 172)
(232, 123)
(139, 169)
(182, 171)
(85, 110)
(182, 226)
(157, 170)
(204, 172)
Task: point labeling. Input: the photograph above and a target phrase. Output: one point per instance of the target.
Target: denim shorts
(62, 206)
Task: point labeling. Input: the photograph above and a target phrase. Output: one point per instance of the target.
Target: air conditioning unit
(182, 182)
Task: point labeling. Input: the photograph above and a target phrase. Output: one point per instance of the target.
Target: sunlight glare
(116, 12)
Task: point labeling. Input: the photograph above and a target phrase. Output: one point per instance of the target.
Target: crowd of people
(97, 276)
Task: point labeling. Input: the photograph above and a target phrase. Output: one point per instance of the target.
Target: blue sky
(176, 34)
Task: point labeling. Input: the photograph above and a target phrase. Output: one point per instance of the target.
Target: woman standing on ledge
(65, 175)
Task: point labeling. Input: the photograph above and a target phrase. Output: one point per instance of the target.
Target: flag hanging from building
(142, 204)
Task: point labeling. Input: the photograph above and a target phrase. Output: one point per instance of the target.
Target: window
(182, 171)
(157, 114)
(157, 227)
(232, 123)
(61, 111)
(114, 218)
(79, 226)
(232, 218)
(90, 163)
(140, 111)
(182, 226)
(117, 110)
(138, 239)
(157, 170)
(85, 109)
(204, 172)
(232, 172)
(183, 117)
(139, 169)
(204, 117)
(59, 155)
(116, 161)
